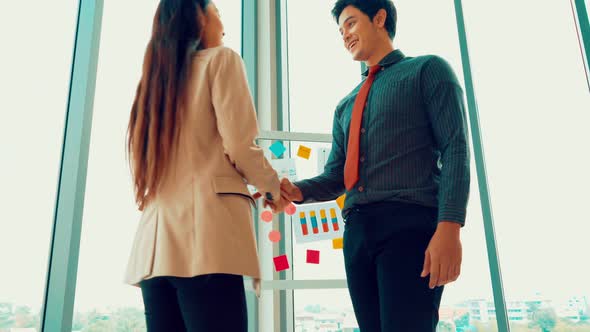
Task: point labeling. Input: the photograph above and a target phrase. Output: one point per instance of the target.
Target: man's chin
(357, 56)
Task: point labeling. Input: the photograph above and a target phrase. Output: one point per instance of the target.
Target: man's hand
(443, 256)
(290, 191)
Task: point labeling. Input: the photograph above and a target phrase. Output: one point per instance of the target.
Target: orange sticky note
(340, 201)
(338, 243)
(304, 152)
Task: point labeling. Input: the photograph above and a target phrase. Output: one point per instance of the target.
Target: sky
(533, 105)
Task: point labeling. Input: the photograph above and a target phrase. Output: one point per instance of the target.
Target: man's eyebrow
(346, 20)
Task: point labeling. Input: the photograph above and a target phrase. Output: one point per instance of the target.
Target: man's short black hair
(370, 8)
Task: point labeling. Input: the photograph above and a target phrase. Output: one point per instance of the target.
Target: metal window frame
(478, 151)
(58, 302)
(583, 29)
(268, 315)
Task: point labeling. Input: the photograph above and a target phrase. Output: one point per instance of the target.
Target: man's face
(358, 33)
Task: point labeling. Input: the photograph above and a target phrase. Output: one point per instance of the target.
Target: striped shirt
(413, 144)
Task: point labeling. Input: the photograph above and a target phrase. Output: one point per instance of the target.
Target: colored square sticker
(340, 201)
(277, 149)
(338, 243)
(313, 257)
(281, 263)
(304, 152)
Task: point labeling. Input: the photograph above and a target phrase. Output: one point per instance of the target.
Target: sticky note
(281, 263)
(290, 209)
(266, 216)
(340, 201)
(338, 243)
(277, 149)
(313, 257)
(274, 236)
(303, 152)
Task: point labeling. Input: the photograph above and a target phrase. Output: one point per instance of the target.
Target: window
(317, 81)
(330, 310)
(35, 74)
(110, 216)
(321, 72)
(311, 109)
(534, 103)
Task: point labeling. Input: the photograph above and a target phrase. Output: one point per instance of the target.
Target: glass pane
(534, 106)
(35, 75)
(308, 100)
(474, 285)
(110, 217)
(316, 83)
(323, 310)
(331, 264)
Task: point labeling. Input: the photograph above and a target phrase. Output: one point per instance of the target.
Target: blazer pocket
(226, 185)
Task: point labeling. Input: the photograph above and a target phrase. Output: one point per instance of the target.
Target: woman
(191, 150)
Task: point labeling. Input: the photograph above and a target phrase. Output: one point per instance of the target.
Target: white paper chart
(318, 222)
(285, 168)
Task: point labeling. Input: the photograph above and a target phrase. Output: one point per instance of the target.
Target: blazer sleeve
(236, 121)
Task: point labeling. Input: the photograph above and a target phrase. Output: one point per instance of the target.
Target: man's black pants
(384, 246)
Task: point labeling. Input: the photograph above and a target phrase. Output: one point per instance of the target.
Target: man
(400, 154)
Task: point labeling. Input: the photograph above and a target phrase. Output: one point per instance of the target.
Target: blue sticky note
(277, 149)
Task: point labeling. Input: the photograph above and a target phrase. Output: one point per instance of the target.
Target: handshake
(289, 193)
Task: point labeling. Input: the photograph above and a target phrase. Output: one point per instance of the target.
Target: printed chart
(318, 222)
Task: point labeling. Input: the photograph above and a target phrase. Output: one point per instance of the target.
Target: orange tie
(351, 167)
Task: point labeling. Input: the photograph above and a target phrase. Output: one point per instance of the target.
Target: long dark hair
(155, 112)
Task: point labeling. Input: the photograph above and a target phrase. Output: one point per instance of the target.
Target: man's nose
(346, 37)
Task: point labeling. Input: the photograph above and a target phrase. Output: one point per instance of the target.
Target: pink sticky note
(290, 209)
(281, 263)
(274, 236)
(266, 216)
(313, 257)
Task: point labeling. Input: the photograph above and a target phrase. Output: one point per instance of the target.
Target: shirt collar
(392, 58)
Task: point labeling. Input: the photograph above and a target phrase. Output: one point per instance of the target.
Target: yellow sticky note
(304, 152)
(338, 243)
(340, 201)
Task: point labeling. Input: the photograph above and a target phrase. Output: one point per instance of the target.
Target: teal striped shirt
(414, 145)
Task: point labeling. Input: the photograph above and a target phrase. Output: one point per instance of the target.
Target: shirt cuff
(452, 215)
(306, 190)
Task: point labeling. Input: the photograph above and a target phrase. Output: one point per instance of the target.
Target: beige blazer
(201, 220)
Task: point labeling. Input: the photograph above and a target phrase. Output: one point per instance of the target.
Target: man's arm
(443, 97)
(330, 184)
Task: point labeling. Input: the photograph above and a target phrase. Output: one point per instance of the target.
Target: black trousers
(213, 302)
(384, 246)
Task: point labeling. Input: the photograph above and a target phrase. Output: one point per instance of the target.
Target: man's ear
(380, 18)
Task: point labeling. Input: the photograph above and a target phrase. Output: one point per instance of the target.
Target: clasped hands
(289, 193)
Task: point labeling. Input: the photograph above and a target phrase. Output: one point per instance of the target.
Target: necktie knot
(373, 70)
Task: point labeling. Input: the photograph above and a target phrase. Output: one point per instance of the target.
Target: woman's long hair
(155, 115)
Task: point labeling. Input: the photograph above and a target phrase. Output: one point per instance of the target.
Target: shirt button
(361, 189)
(362, 159)
(363, 130)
